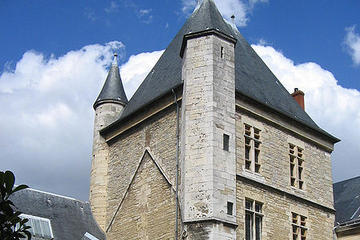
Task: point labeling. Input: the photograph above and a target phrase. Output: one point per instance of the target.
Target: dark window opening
(230, 208)
(253, 220)
(226, 140)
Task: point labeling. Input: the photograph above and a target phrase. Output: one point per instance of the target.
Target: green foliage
(12, 227)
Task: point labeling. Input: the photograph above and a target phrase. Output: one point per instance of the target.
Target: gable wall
(158, 134)
(148, 210)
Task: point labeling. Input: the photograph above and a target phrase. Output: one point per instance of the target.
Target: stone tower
(208, 127)
(108, 106)
(210, 146)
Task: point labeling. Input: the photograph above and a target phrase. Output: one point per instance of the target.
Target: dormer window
(40, 227)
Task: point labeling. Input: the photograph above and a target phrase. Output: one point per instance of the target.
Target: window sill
(253, 175)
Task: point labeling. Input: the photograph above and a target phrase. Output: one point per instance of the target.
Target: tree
(12, 227)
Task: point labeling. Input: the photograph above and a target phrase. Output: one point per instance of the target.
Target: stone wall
(104, 115)
(354, 236)
(148, 210)
(158, 134)
(208, 170)
(275, 162)
(277, 214)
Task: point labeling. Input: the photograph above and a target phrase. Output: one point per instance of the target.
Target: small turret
(113, 90)
(108, 107)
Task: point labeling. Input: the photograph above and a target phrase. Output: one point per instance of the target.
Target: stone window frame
(254, 209)
(252, 148)
(299, 226)
(296, 165)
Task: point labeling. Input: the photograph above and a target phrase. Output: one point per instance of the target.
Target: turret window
(296, 166)
(252, 148)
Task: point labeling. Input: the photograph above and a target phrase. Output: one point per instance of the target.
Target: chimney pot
(298, 96)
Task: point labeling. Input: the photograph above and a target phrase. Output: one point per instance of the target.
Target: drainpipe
(177, 167)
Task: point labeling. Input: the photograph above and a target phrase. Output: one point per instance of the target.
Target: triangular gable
(146, 155)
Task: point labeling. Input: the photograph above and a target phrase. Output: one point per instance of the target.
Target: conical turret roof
(113, 90)
(253, 79)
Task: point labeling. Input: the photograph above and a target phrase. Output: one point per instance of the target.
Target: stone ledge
(284, 193)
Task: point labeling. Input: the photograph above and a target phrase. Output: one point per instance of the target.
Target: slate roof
(347, 200)
(252, 77)
(113, 89)
(70, 218)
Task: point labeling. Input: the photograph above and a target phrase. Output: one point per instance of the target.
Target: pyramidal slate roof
(70, 218)
(113, 90)
(347, 200)
(253, 78)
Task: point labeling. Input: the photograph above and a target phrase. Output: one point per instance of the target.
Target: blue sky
(54, 56)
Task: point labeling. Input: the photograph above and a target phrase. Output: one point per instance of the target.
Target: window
(252, 148)
(226, 139)
(222, 52)
(230, 208)
(253, 220)
(299, 229)
(296, 166)
(40, 227)
(88, 236)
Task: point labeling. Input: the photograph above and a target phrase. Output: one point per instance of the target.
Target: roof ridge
(55, 195)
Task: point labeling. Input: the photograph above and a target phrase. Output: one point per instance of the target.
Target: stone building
(347, 205)
(210, 146)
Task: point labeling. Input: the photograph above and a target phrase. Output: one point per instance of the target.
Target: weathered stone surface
(148, 210)
(158, 134)
(277, 217)
(104, 115)
(275, 162)
(208, 112)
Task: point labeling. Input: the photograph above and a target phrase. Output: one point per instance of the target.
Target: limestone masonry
(248, 163)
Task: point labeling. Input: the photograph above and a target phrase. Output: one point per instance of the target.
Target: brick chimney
(298, 95)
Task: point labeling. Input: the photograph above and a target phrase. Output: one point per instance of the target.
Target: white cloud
(143, 12)
(253, 2)
(352, 42)
(239, 8)
(46, 117)
(333, 107)
(134, 71)
(113, 7)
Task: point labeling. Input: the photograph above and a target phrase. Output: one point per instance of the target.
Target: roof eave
(320, 131)
(102, 101)
(113, 125)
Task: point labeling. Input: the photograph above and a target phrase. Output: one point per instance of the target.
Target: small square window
(226, 139)
(230, 206)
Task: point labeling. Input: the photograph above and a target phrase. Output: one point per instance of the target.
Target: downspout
(177, 167)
